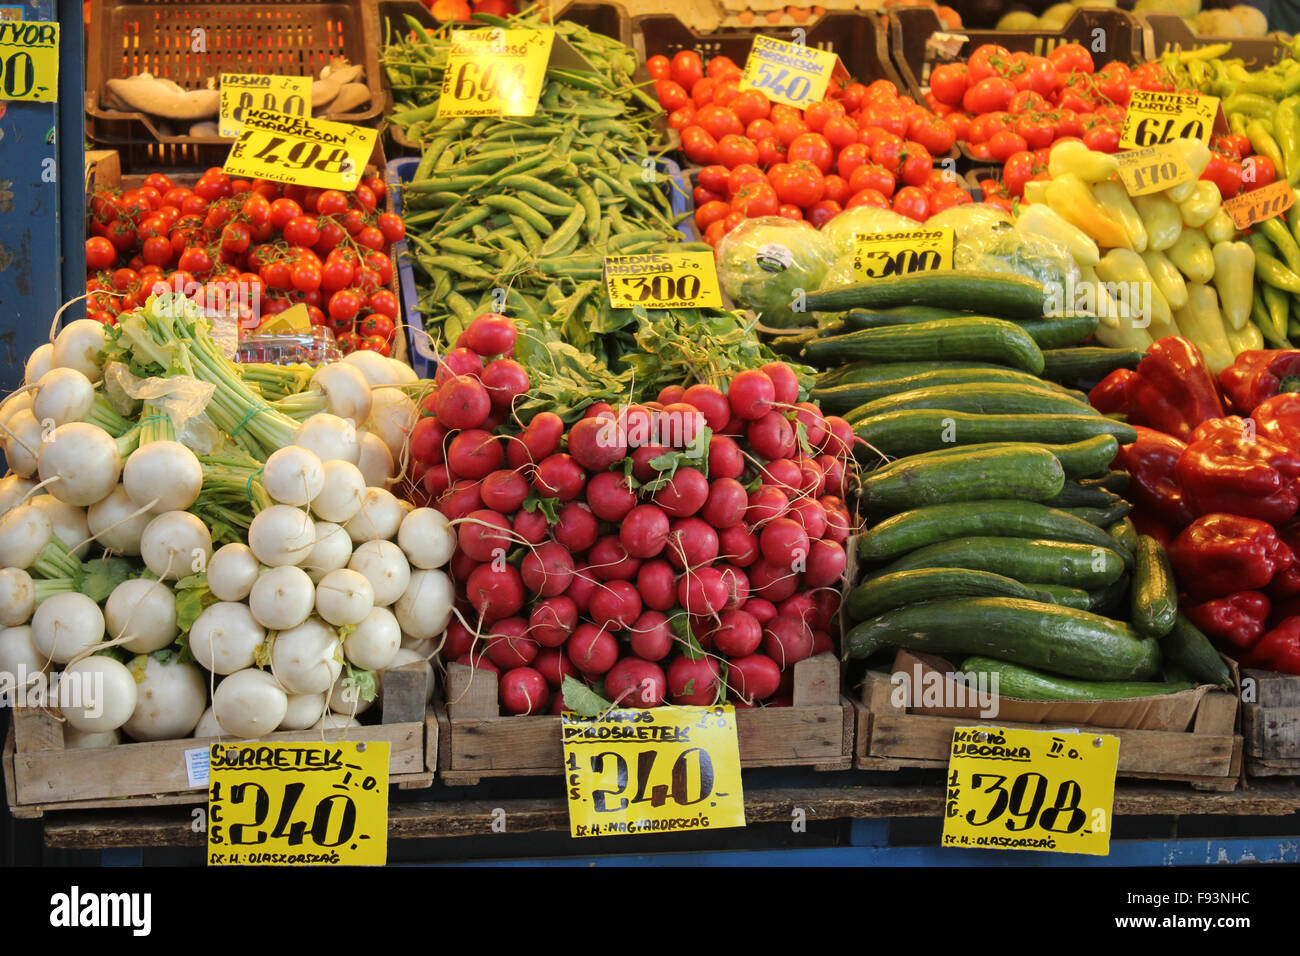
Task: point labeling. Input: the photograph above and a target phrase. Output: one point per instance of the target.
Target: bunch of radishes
(688, 549)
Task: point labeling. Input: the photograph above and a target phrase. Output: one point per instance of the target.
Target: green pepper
(1265, 145)
(1286, 129)
(1285, 242)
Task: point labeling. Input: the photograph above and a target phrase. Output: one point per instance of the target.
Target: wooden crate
(40, 775)
(478, 742)
(1209, 756)
(1270, 723)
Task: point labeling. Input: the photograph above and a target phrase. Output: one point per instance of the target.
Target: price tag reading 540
(1012, 789)
(788, 73)
(663, 280)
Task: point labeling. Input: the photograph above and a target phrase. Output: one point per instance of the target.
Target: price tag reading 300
(1015, 789)
(878, 255)
(663, 280)
(662, 770)
(788, 73)
(1154, 117)
(293, 149)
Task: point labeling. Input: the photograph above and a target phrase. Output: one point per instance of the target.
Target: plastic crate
(400, 171)
(294, 37)
(1166, 32)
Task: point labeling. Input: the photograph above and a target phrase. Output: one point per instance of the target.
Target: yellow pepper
(1248, 338)
(1191, 253)
(1116, 328)
(1036, 191)
(1089, 165)
(1070, 196)
(1220, 228)
(1234, 277)
(1128, 280)
(1167, 277)
(1162, 218)
(1200, 207)
(1038, 219)
(1197, 156)
(1115, 201)
(1201, 321)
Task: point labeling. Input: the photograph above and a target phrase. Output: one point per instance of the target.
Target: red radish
(577, 527)
(834, 472)
(474, 454)
(784, 544)
(558, 706)
(582, 587)
(489, 334)
(505, 379)
(463, 403)
(459, 640)
(508, 652)
(458, 363)
(637, 423)
(479, 661)
(597, 443)
(702, 591)
(598, 410)
(787, 641)
(755, 677)
(711, 403)
(837, 525)
(657, 583)
(642, 470)
(762, 611)
(483, 535)
(766, 504)
(539, 439)
(462, 566)
(634, 682)
(772, 582)
(547, 569)
(828, 604)
(531, 526)
(725, 458)
(784, 473)
(772, 436)
(738, 634)
(591, 650)
(813, 479)
(737, 582)
(554, 666)
(786, 689)
(679, 425)
(615, 606)
(693, 683)
(735, 428)
(436, 480)
(504, 491)
(495, 591)
(609, 496)
(650, 637)
(811, 517)
(738, 545)
(726, 503)
(644, 531)
(553, 620)
(702, 628)
(751, 394)
(839, 437)
(826, 563)
(426, 441)
(810, 416)
(684, 494)
(692, 543)
(800, 606)
(524, 691)
(610, 560)
(670, 394)
(822, 643)
(559, 476)
(461, 499)
(784, 382)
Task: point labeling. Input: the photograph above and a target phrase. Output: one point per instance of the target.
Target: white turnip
(293, 475)
(346, 390)
(225, 637)
(170, 699)
(38, 363)
(74, 739)
(67, 522)
(425, 606)
(375, 460)
(162, 476)
(63, 395)
(329, 437)
(344, 597)
(85, 461)
(332, 550)
(281, 535)
(385, 567)
(426, 538)
(17, 597)
(18, 653)
(392, 416)
(374, 642)
(97, 694)
(303, 711)
(249, 703)
(232, 571)
(13, 490)
(378, 519)
(23, 436)
(343, 489)
(176, 544)
(144, 612)
(78, 346)
(345, 698)
(307, 659)
(65, 625)
(282, 597)
(117, 523)
(208, 726)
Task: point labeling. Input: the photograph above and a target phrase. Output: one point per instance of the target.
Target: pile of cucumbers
(996, 528)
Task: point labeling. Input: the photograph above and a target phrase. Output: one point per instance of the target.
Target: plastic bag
(1003, 249)
(864, 220)
(182, 398)
(768, 264)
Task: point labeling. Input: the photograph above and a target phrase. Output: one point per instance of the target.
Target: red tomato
(851, 95)
(1102, 137)
(959, 123)
(935, 135)
(159, 182)
(1004, 143)
(391, 225)
(276, 275)
(798, 184)
(725, 91)
(1036, 130)
(282, 210)
(948, 197)
(851, 157)
(709, 213)
(714, 178)
(157, 250)
(1225, 174)
(718, 121)
(874, 178)
(679, 119)
(1113, 83)
(702, 92)
(305, 276)
(671, 95)
(235, 237)
(1257, 171)
(736, 151)
(837, 189)
(722, 66)
(1018, 170)
(789, 211)
(840, 131)
(750, 106)
(770, 152)
(949, 83)
(813, 148)
(743, 176)
(913, 203)
(1068, 124)
(687, 68)
(915, 164)
(372, 238)
(195, 259)
(989, 95)
(823, 212)
(788, 129)
(1038, 75)
(1071, 58)
(989, 59)
(331, 234)
(379, 322)
(337, 273)
(756, 199)
(887, 151)
(867, 197)
(702, 195)
(762, 128)
(715, 232)
(301, 231)
(344, 305)
(817, 114)
(698, 145)
(658, 66)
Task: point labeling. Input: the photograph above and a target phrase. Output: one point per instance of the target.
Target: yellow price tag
(1246, 209)
(1013, 789)
(29, 60)
(241, 92)
(663, 280)
(1155, 117)
(661, 770)
(298, 804)
(295, 320)
(877, 255)
(789, 73)
(1150, 170)
(495, 72)
(295, 149)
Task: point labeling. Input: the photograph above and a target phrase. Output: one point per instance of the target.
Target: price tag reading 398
(1155, 117)
(788, 73)
(1015, 789)
(660, 770)
(295, 149)
(663, 280)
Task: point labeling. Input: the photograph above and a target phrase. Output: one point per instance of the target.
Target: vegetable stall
(859, 391)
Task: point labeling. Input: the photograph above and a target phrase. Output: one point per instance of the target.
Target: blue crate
(400, 171)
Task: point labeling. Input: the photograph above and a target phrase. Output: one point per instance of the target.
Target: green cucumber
(1060, 332)
(1102, 517)
(792, 345)
(904, 315)
(928, 584)
(990, 398)
(968, 339)
(1112, 599)
(1086, 364)
(862, 373)
(1125, 533)
(844, 397)
(1032, 561)
(1191, 650)
(1116, 481)
(1076, 598)
(1053, 333)
(912, 431)
(1075, 495)
(1155, 595)
(1023, 473)
(1058, 639)
(996, 292)
(1025, 683)
(1007, 519)
(1077, 458)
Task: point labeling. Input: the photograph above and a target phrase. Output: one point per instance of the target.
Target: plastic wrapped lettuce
(766, 263)
(969, 219)
(864, 220)
(1003, 249)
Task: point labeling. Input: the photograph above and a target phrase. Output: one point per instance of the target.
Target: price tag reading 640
(1013, 789)
(663, 280)
(661, 770)
(1154, 117)
(298, 804)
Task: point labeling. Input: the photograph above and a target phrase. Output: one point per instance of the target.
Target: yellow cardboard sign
(295, 320)
(1012, 789)
(877, 255)
(789, 73)
(1150, 170)
(29, 60)
(286, 804)
(1246, 209)
(495, 72)
(663, 280)
(1155, 117)
(660, 770)
(241, 92)
(296, 149)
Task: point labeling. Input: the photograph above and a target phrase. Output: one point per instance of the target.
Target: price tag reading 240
(298, 804)
(1154, 117)
(1015, 789)
(878, 255)
(495, 72)
(663, 280)
(294, 149)
(661, 770)
(788, 73)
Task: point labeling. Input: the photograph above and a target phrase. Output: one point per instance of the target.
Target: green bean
(517, 207)
(591, 207)
(461, 247)
(527, 234)
(460, 305)
(466, 221)
(539, 188)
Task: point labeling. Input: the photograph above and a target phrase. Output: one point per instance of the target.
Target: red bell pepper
(1286, 584)
(1227, 467)
(1234, 622)
(1172, 390)
(1278, 419)
(1153, 528)
(1278, 650)
(1221, 554)
(1258, 375)
(1111, 396)
(1153, 485)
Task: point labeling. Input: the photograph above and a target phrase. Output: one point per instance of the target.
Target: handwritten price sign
(1246, 209)
(667, 280)
(1155, 117)
(788, 73)
(294, 149)
(877, 255)
(29, 61)
(241, 92)
(1153, 169)
(495, 72)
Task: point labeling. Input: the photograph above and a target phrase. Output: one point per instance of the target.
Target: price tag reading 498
(1013, 789)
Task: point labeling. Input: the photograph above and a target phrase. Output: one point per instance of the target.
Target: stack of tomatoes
(253, 247)
(862, 145)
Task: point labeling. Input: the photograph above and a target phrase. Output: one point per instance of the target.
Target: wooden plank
(878, 693)
(1271, 731)
(472, 693)
(37, 728)
(817, 681)
(1272, 689)
(404, 693)
(504, 743)
(1217, 714)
